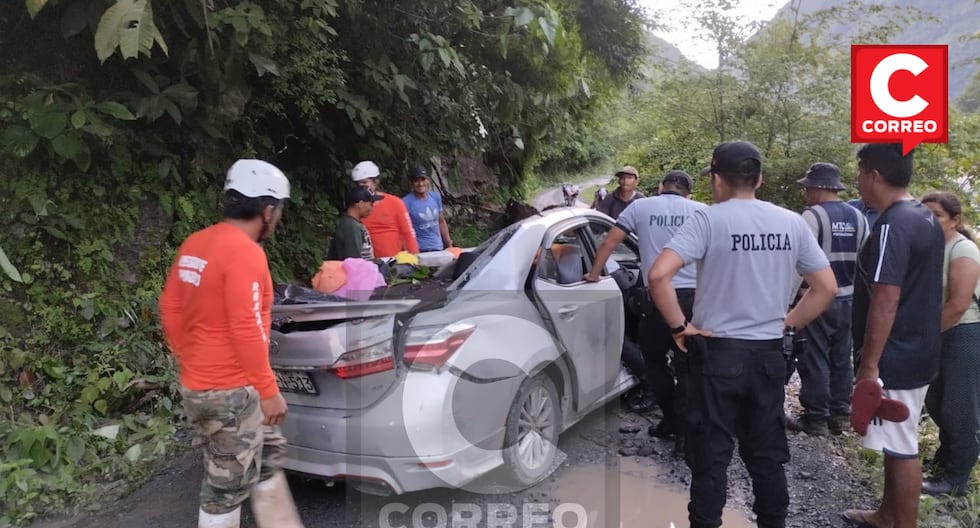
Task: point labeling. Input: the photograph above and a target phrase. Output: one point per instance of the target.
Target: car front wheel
(532, 429)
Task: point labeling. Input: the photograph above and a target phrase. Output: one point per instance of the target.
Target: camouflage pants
(238, 450)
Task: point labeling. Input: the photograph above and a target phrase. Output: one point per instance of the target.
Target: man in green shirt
(350, 237)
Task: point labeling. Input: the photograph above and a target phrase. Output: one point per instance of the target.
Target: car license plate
(298, 382)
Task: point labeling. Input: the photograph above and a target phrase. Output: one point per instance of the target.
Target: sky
(674, 15)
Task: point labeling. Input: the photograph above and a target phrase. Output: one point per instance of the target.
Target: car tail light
(369, 360)
(434, 349)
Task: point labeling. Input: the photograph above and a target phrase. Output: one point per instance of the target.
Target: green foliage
(128, 25)
(119, 118)
(969, 101)
(470, 235)
(786, 90)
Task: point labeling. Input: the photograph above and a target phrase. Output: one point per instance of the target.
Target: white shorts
(898, 440)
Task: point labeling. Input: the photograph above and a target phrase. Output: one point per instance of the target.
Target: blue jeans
(826, 368)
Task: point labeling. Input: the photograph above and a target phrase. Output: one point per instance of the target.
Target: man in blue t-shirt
(896, 325)
(425, 210)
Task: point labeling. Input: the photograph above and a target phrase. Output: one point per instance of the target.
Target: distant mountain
(957, 21)
(662, 56)
(663, 51)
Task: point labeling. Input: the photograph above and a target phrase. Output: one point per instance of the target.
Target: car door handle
(567, 312)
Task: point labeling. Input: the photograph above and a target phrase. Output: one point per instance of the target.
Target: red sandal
(865, 401)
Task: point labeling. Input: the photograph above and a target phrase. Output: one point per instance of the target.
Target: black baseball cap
(418, 173)
(728, 156)
(679, 178)
(361, 194)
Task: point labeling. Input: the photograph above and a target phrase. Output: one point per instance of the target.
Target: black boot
(641, 404)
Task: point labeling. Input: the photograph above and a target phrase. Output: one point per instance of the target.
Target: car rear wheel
(532, 429)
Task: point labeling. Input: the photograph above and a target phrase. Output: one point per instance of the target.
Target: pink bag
(363, 277)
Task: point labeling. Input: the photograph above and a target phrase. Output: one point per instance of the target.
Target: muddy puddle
(626, 494)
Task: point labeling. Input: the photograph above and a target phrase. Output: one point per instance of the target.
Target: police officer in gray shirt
(655, 220)
(748, 253)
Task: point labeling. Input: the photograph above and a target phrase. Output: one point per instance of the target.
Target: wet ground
(595, 486)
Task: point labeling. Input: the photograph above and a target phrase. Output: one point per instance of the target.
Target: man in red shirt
(216, 315)
(389, 225)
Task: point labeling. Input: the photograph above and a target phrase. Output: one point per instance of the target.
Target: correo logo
(900, 94)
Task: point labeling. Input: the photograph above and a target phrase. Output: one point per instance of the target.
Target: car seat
(568, 259)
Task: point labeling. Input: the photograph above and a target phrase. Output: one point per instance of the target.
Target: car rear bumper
(415, 438)
(382, 475)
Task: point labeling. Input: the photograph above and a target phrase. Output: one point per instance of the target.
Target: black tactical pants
(736, 391)
(656, 341)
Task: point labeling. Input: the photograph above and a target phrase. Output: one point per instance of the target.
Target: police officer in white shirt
(748, 253)
(655, 220)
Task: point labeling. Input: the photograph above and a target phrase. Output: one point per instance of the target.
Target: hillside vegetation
(119, 118)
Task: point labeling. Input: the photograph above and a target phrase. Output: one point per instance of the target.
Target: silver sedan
(468, 381)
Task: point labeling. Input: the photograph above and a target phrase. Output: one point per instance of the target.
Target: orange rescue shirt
(216, 311)
(390, 227)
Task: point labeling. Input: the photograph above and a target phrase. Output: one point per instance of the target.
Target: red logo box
(900, 94)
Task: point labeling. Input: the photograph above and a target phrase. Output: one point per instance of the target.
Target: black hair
(746, 174)
(951, 204)
(887, 159)
(673, 187)
(241, 207)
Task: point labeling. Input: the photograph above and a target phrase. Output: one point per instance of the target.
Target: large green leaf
(19, 141)
(128, 25)
(48, 123)
(34, 6)
(72, 147)
(9, 268)
(78, 118)
(522, 15)
(115, 110)
(548, 28)
(263, 64)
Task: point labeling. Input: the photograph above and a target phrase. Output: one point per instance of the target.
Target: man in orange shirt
(389, 225)
(216, 315)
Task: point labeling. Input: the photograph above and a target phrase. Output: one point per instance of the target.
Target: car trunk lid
(333, 353)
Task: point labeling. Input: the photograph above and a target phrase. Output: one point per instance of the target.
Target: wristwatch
(678, 329)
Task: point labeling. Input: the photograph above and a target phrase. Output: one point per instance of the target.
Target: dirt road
(613, 473)
(554, 196)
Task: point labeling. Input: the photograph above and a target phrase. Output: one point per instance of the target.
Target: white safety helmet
(255, 178)
(364, 170)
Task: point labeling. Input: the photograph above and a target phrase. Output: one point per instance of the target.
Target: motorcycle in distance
(570, 192)
(600, 195)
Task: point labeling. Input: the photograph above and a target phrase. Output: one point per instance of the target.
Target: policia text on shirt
(761, 242)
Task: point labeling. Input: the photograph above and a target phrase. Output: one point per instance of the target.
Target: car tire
(531, 431)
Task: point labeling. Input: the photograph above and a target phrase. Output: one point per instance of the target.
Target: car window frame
(631, 242)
